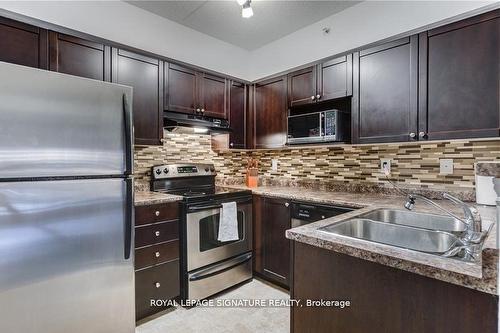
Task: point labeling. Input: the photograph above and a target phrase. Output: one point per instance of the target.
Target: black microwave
(319, 126)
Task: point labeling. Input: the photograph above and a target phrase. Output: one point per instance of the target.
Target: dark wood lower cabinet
(271, 247)
(157, 275)
(383, 299)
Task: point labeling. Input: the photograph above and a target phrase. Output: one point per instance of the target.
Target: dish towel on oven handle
(228, 223)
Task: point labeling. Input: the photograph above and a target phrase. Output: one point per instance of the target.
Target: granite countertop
(481, 275)
(143, 198)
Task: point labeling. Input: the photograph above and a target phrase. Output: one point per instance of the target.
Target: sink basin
(419, 220)
(424, 240)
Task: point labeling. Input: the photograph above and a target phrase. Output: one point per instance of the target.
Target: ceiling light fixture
(241, 2)
(246, 11)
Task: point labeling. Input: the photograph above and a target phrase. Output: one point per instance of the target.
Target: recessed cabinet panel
(237, 115)
(387, 93)
(213, 96)
(460, 79)
(270, 111)
(144, 75)
(75, 56)
(181, 90)
(335, 78)
(23, 44)
(302, 87)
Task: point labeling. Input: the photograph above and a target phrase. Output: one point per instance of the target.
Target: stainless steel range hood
(191, 123)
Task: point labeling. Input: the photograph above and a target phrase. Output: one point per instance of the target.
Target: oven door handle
(219, 268)
(197, 208)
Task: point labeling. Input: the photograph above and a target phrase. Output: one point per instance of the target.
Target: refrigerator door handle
(129, 216)
(129, 135)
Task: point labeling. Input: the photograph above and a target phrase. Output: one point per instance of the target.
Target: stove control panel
(182, 170)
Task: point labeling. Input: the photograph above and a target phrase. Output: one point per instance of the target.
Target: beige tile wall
(414, 165)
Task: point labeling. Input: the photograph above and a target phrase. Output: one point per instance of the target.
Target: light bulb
(241, 2)
(247, 11)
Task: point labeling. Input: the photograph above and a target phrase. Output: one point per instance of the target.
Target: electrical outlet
(274, 165)
(446, 166)
(385, 165)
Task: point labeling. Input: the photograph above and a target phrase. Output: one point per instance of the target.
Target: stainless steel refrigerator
(66, 201)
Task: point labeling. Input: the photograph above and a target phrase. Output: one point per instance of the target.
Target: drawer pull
(157, 285)
(157, 254)
(157, 233)
(157, 213)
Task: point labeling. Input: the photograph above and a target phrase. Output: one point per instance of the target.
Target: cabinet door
(23, 44)
(75, 56)
(213, 95)
(270, 110)
(144, 75)
(180, 89)
(237, 115)
(302, 86)
(385, 101)
(335, 78)
(459, 79)
(276, 251)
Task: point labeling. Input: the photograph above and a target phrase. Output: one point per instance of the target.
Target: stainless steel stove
(208, 266)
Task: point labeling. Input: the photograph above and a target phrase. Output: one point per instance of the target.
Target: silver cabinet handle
(322, 216)
(318, 96)
(198, 110)
(202, 110)
(312, 98)
(157, 254)
(157, 233)
(157, 285)
(422, 135)
(412, 135)
(287, 204)
(231, 144)
(157, 213)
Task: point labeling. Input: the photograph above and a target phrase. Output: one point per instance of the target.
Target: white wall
(121, 22)
(356, 26)
(361, 24)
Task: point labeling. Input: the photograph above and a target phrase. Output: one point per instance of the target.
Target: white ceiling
(222, 19)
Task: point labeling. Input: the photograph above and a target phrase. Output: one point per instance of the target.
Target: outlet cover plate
(385, 163)
(446, 166)
(274, 164)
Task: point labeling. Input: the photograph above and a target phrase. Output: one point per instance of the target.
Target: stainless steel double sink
(429, 233)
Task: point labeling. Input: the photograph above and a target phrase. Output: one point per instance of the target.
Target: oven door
(305, 128)
(202, 228)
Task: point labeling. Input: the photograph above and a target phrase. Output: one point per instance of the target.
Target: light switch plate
(446, 166)
(274, 165)
(385, 164)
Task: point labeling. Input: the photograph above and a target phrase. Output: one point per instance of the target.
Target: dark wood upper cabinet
(302, 86)
(144, 74)
(459, 79)
(384, 107)
(75, 56)
(269, 113)
(237, 114)
(23, 44)
(326, 81)
(181, 93)
(335, 78)
(276, 247)
(213, 95)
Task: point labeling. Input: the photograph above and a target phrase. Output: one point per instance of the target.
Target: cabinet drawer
(156, 233)
(156, 213)
(156, 254)
(159, 282)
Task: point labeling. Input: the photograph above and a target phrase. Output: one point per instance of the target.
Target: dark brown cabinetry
(237, 114)
(269, 113)
(23, 44)
(382, 298)
(157, 273)
(189, 91)
(384, 108)
(329, 80)
(75, 56)
(271, 247)
(459, 79)
(144, 75)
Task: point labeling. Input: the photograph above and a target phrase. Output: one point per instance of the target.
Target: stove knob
(165, 170)
(207, 169)
(158, 171)
(212, 169)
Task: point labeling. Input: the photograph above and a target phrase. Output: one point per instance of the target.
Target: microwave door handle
(322, 124)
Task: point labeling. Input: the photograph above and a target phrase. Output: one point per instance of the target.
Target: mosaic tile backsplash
(350, 167)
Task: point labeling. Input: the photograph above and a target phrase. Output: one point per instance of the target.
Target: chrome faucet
(471, 220)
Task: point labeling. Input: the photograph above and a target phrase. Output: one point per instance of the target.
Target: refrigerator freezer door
(62, 257)
(54, 124)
